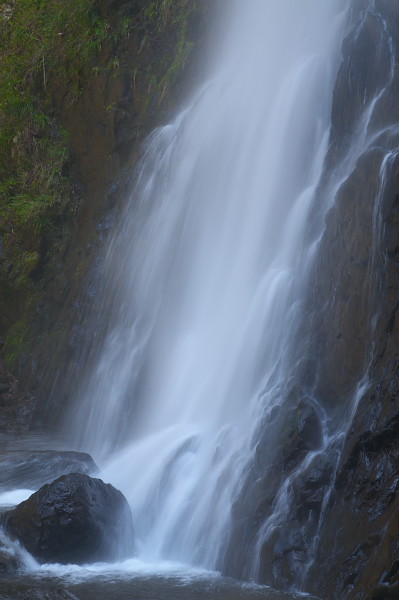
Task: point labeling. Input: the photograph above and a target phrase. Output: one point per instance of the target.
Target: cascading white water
(206, 277)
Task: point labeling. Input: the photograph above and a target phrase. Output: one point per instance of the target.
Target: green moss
(177, 16)
(54, 57)
(182, 53)
(30, 261)
(16, 343)
(41, 42)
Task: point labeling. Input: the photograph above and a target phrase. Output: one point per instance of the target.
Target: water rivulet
(243, 395)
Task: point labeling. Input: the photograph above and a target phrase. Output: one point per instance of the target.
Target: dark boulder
(75, 519)
(33, 469)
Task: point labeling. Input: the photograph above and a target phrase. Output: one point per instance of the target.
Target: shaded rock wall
(146, 65)
(357, 276)
(355, 330)
(320, 502)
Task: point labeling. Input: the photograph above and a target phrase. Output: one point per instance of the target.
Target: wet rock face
(364, 72)
(359, 546)
(337, 535)
(292, 431)
(356, 330)
(75, 519)
(346, 275)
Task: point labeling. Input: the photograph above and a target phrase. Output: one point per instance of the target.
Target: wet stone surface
(144, 588)
(11, 591)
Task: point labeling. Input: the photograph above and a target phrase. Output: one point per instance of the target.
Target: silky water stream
(206, 277)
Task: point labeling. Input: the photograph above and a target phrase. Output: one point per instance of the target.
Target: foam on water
(14, 497)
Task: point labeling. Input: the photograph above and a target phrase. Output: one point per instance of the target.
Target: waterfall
(206, 280)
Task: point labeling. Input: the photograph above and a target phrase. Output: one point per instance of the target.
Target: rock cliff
(331, 462)
(357, 330)
(83, 84)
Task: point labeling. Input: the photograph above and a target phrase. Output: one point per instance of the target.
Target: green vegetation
(178, 15)
(40, 41)
(55, 57)
(47, 41)
(43, 44)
